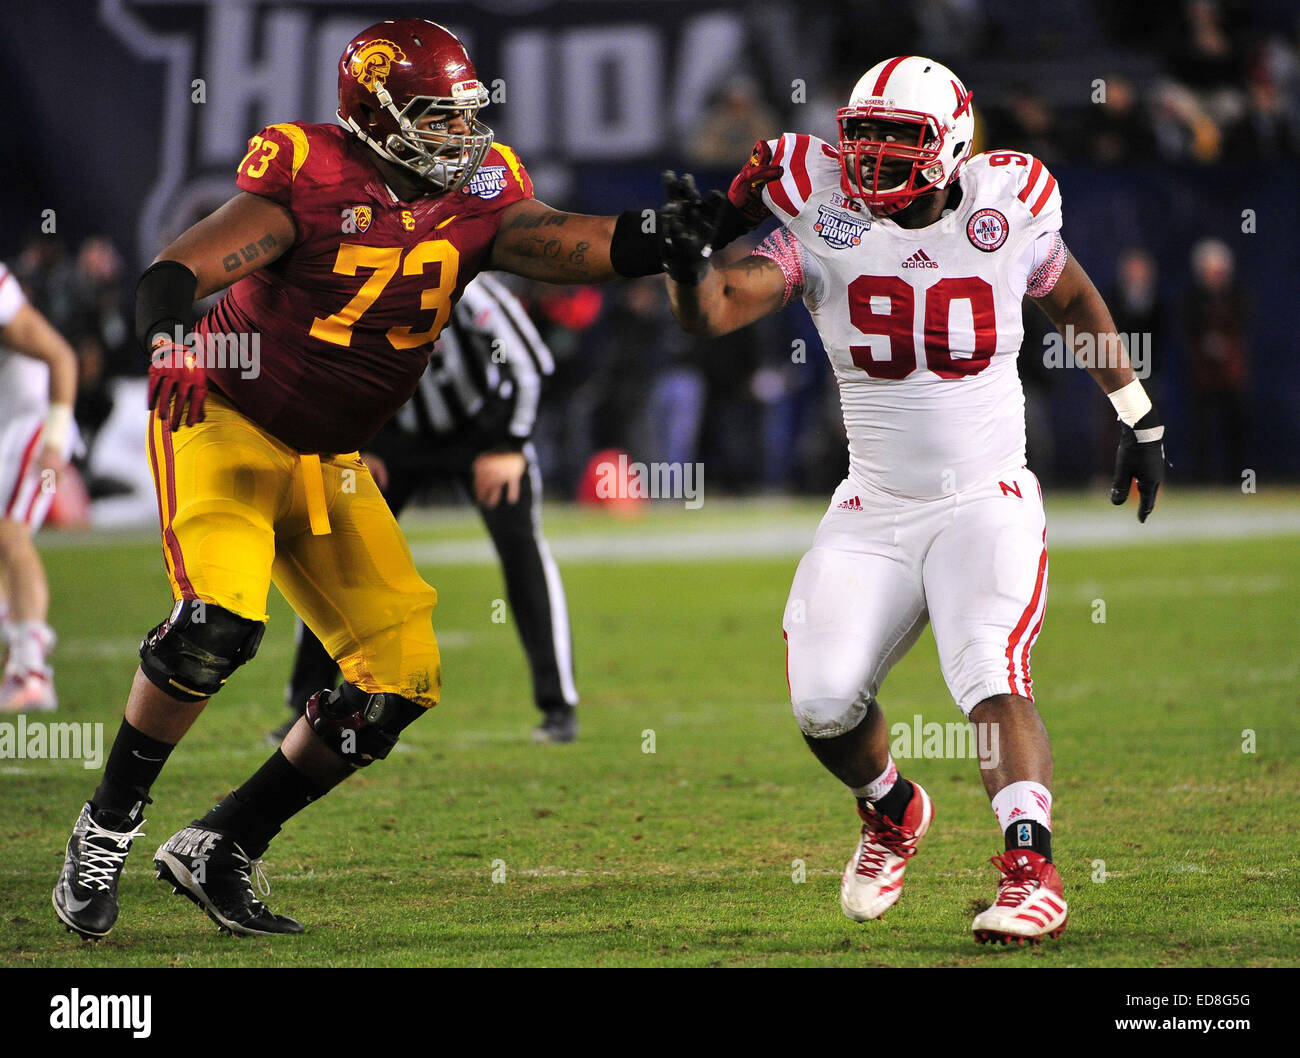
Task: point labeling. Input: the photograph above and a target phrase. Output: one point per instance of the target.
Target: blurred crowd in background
(1201, 84)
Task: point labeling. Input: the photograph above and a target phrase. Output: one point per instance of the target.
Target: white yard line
(1069, 531)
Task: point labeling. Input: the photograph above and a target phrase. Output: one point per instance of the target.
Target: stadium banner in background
(164, 95)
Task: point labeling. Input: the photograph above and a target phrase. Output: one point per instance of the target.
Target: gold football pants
(239, 509)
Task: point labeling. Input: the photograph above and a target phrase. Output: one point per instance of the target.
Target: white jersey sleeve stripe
(785, 194)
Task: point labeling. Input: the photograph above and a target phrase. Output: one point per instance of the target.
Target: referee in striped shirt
(470, 421)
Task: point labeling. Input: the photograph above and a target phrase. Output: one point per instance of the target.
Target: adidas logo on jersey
(851, 504)
(920, 259)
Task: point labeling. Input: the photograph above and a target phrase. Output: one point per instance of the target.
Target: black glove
(687, 225)
(1141, 455)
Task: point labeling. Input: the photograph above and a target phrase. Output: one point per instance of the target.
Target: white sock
(880, 785)
(1023, 802)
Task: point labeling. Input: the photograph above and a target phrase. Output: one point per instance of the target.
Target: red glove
(746, 191)
(176, 379)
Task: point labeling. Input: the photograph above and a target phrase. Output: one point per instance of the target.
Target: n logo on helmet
(373, 62)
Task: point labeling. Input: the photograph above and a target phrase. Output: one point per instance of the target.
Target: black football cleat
(209, 868)
(85, 898)
(558, 725)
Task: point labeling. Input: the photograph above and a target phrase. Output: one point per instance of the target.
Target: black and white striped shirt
(489, 357)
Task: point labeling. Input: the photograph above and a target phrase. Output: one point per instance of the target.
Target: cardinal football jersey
(346, 317)
(922, 326)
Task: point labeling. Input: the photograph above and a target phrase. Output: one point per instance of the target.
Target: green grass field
(686, 856)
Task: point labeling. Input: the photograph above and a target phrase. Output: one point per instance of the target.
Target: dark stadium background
(98, 125)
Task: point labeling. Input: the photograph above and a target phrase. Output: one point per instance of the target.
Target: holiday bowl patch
(839, 229)
(487, 182)
(987, 230)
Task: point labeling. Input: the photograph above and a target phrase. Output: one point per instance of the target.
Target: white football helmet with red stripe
(907, 130)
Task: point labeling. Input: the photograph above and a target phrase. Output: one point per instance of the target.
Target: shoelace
(250, 870)
(886, 839)
(1018, 881)
(99, 865)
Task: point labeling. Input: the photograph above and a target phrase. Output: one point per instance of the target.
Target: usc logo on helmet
(373, 62)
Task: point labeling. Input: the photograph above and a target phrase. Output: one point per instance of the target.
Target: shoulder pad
(810, 165)
(502, 175)
(275, 157)
(1027, 181)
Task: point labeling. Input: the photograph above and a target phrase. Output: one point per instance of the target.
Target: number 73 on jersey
(383, 263)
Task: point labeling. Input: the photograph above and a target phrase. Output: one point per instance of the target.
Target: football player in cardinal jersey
(913, 259)
(344, 250)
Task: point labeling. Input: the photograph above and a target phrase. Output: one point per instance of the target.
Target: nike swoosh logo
(72, 903)
(154, 760)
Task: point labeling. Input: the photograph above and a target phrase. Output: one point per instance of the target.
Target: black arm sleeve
(164, 300)
(633, 252)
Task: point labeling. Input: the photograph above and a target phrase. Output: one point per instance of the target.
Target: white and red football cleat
(873, 879)
(28, 692)
(1030, 903)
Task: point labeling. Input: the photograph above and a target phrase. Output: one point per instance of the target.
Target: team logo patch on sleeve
(488, 182)
(838, 229)
(987, 230)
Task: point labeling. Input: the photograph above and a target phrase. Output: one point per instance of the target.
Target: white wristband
(1131, 402)
(58, 427)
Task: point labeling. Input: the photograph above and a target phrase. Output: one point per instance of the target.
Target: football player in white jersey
(38, 381)
(913, 259)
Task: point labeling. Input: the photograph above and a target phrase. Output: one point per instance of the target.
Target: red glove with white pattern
(177, 378)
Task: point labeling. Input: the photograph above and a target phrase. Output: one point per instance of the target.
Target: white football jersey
(922, 325)
(24, 381)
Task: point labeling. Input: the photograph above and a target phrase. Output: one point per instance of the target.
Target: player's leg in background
(28, 681)
(986, 581)
(536, 593)
(850, 616)
(313, 669)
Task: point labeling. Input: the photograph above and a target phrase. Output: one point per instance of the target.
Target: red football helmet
(397, 73)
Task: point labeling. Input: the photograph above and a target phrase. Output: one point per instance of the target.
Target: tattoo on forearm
(751, 263)
(537, 220)
(247, 254)
(561, 260)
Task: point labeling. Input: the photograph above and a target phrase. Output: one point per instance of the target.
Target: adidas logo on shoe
(920, 260)
(852, 504)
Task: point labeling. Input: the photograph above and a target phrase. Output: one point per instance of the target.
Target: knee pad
(359, 726)
(192, 653)
(830, 717)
